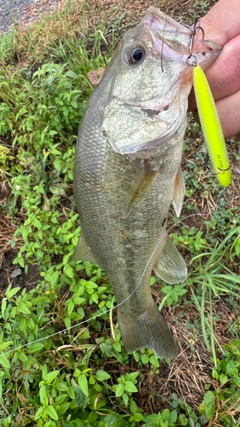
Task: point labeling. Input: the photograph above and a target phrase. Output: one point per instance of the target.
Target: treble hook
(192, 59)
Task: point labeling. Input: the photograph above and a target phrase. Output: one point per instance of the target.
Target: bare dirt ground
(24, 12)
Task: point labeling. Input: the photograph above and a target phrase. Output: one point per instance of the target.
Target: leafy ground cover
(61, 355)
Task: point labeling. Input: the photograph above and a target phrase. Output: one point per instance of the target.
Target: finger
(222, 22)
(224, 75)
(229, 113)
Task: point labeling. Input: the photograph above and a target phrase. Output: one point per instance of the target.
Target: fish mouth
(169, 37)
(173, 39)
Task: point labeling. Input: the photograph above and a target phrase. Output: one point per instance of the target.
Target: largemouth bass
(127, 170)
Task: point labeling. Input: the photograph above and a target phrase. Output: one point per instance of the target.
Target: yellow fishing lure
(211, 127)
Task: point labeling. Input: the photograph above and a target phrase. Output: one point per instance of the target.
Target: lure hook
(192, 59)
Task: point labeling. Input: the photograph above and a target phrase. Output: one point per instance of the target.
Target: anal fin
(170, 266)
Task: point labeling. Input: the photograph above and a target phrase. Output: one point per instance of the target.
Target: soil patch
(16, 12)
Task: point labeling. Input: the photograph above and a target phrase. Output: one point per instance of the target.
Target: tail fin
(147, 330)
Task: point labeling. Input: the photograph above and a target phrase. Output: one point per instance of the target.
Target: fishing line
(117, 305)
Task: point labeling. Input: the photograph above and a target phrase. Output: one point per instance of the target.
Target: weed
(222, 406)
(214, 280)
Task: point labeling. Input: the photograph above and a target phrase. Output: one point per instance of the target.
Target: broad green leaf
(71, 306)
(183, 421)
(76, 373)
(43, 395)
(11, 292)
(165, 414)
(68, 270)
(57, 164)
(63, 408)
(166, 289)
(39, 413)
(133, 375)
(57, 189)
(23, 324)
(37, 223)
(125, 398)
(153, 418)
(114, 420)
(119, 390)
(4, 361)
(61, 398)
(50, 423)
(130, 387)
(154, 361)
(215, 373)
(133, 407)
(62, 386)
(5, 345)
(223, 378)
(232, 368)
(79, 300)
(67, 321)
(51, 411)
(137, 417)
(173, 416)
(102, 375)
(71, 393)
(71, 74)
(4, 305)
(22, 308)
(35, 347)
(209, 404)
(51, 376)
(144, 359)
(82, 381)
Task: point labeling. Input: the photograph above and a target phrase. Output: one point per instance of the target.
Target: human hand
(222, 25)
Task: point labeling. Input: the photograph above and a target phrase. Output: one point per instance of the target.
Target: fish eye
(135, 54)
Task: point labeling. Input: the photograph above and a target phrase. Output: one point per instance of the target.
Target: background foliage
(61, 354)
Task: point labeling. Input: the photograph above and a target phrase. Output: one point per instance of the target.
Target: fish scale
(127, 172)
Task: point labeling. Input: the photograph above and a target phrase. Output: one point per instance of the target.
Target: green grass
(61, 355)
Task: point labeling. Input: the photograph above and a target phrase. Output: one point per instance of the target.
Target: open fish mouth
(173, 40)
(169, 37)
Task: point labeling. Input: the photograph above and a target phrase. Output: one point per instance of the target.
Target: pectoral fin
(178, 192)
(139, 189)
(82, 252)
(170, 265)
